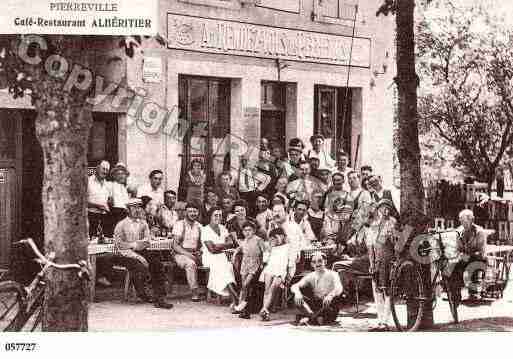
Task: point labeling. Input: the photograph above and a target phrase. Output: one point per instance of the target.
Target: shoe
(264, 315)
(245, 315)
(163, 303)
(145, 298)
(104, 282)
(380, 328)
(233, 308)
(242, 305)
(196, 298)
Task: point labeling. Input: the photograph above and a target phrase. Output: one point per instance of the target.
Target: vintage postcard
(278, 166)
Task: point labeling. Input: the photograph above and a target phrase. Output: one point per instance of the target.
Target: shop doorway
(333, 117)
(205, 106)
(273, 115)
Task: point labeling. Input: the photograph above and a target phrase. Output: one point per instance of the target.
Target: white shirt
(306, 228)
(119, 195)
(325, 160)
(147, 190)
(98, 193)
(245, 175)
(345, 172)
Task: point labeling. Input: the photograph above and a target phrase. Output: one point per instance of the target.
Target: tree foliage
(466, 66)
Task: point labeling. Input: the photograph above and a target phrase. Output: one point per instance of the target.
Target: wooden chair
(127, 284)
(359, 278)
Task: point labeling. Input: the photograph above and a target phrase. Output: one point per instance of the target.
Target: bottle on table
(99, 234)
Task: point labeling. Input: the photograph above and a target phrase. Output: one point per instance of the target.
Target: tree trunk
(62, 128)
(412, 192)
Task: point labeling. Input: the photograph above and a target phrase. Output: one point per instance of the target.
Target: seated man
(131, 238)
(186, 236)
(317, 294)
(471, 249)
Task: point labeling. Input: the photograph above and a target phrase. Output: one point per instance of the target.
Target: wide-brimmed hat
(385, 202)
(316, 136)
(296, 144)
(323, 169)
(135, 202)
(119, 167)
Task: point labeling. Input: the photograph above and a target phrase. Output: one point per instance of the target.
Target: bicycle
(408, 291)
(22, 307)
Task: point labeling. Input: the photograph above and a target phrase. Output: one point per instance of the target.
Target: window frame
(299, 7)
(319, 17)
(230, 4)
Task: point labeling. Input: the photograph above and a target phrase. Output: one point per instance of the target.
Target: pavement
(110, 313)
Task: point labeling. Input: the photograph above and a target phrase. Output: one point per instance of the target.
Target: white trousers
(382, 304)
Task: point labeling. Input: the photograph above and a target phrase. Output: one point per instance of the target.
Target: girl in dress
(253, 249)
(195, 182)
(380, 239)
(277, 271)
(216, 239)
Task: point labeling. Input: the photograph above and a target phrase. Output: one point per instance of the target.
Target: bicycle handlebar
(81, 265)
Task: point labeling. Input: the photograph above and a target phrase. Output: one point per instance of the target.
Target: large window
(333, 116)
(205, 106)
(336, 9)
(284, 5)
(103, 139)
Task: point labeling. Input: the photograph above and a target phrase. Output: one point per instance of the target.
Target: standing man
(264, 215)
(98, 214)
(119, 195)
(294, 234)
(291, 166)
(153, 189)
(378, 192)
(131, 240)
(337, 190)
(342, 166)
(300, 216)
(247, 184)
(320, 152)
(168, 213)
(225, 188)
(365, 171)
(360, 200)
(186, 245)
(303, 182)
(98, 193)
(317, 294)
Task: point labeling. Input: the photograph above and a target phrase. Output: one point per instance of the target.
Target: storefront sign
(245, 39)
(79, 17)
(152, 69)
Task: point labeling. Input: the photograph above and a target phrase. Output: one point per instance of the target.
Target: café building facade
(230, 73)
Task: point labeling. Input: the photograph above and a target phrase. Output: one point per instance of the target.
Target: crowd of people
(265, 217)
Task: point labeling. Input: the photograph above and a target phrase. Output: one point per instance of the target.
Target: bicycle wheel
(12, 306)
(407, 296)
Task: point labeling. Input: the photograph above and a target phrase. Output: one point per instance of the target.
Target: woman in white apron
(216, 239)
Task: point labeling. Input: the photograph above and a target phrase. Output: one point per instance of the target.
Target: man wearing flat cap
(119, 194)
(131, 241)
(290, 168)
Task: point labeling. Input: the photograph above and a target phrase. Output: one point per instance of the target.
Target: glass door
(206, 105)
(333, 117)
